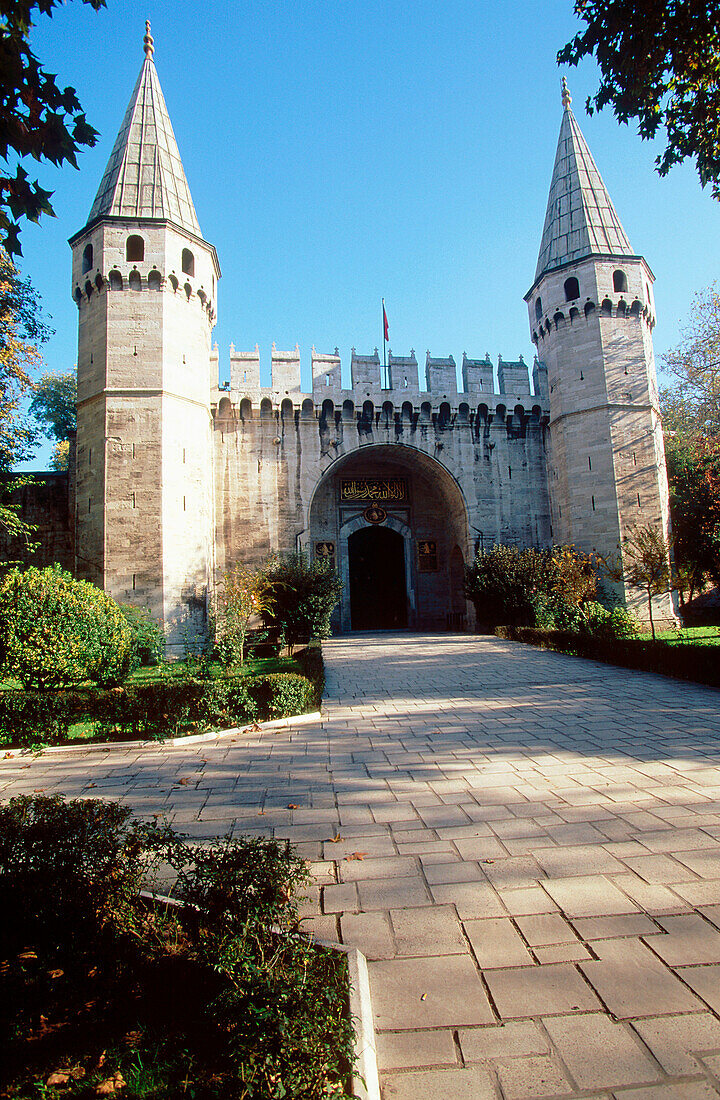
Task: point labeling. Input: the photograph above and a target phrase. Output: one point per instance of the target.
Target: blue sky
(342, 152)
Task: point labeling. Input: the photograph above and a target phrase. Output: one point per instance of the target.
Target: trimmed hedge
(698, 663)
(313, 667)
(153, 711)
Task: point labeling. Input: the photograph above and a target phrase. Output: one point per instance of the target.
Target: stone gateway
(178, 479)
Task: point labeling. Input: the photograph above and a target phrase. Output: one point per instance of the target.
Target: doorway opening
(378, 586)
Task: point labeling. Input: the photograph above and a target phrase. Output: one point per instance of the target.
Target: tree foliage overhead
(38, 119)
(660, 64)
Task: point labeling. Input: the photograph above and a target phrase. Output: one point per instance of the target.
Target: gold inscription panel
(386, 489)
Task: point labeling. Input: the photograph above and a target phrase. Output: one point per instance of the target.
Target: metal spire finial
(566, 97)
(148, 44)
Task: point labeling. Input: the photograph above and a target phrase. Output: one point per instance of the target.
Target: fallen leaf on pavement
(183, 782)
(292, 806)
(58, 1078)
(113, 1084)
(356, 855)
(336, 839)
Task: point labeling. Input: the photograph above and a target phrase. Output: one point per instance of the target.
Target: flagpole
(383, 328)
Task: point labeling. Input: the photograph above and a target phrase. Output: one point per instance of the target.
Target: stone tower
(591, 317)
(145, 281)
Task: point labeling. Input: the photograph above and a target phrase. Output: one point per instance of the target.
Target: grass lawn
(179, 670)
(691, 635)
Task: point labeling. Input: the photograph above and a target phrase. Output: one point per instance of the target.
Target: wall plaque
(325, 550)
(375, 514)
(382, 489)
(427, 556)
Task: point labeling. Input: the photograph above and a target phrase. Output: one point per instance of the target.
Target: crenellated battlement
(396, 383)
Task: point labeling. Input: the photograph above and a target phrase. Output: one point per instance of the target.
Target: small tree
(576, 579)
(304, 595)
(644, 562)
(246, 594)
(54, 404)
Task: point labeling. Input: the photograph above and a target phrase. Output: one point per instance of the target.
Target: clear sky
(340, 152)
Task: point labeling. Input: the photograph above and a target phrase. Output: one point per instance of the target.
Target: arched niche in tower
(134, 281)
(265, 408)
(286, 409)
(620, 283)
(154, 280)
(87, 259)
(188, 262)
(116, 280)
(134, 249)
(572, 289)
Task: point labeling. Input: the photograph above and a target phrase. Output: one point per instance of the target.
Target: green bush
(283, 694)
(148, 638)
(603, 623)
(221, 995)
(509, 585)
(56, 631)
(303, 595)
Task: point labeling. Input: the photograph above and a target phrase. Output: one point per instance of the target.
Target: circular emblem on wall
(375, 514)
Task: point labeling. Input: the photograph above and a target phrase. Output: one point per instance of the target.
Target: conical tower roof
(144, 177)
(580, 219)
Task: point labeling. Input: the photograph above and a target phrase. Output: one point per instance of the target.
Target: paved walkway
(526, 847)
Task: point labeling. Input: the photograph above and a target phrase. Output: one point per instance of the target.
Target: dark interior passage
(378, 589)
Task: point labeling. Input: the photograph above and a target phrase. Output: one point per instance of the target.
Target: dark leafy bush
(311, 662)
(303, 595)
(56, 631)
(148, 638)
(220, 995)
(65, 868)
(698, 663)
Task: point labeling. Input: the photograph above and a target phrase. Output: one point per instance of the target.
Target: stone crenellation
(391, 387)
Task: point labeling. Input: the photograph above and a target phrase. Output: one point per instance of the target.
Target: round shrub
(283, 694)
(56, 631)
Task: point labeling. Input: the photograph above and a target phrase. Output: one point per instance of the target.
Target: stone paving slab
(526, 847)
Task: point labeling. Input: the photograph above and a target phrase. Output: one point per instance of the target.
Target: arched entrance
(378, 588)
(412, 580)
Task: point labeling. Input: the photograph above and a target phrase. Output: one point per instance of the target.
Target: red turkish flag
(385, 323)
